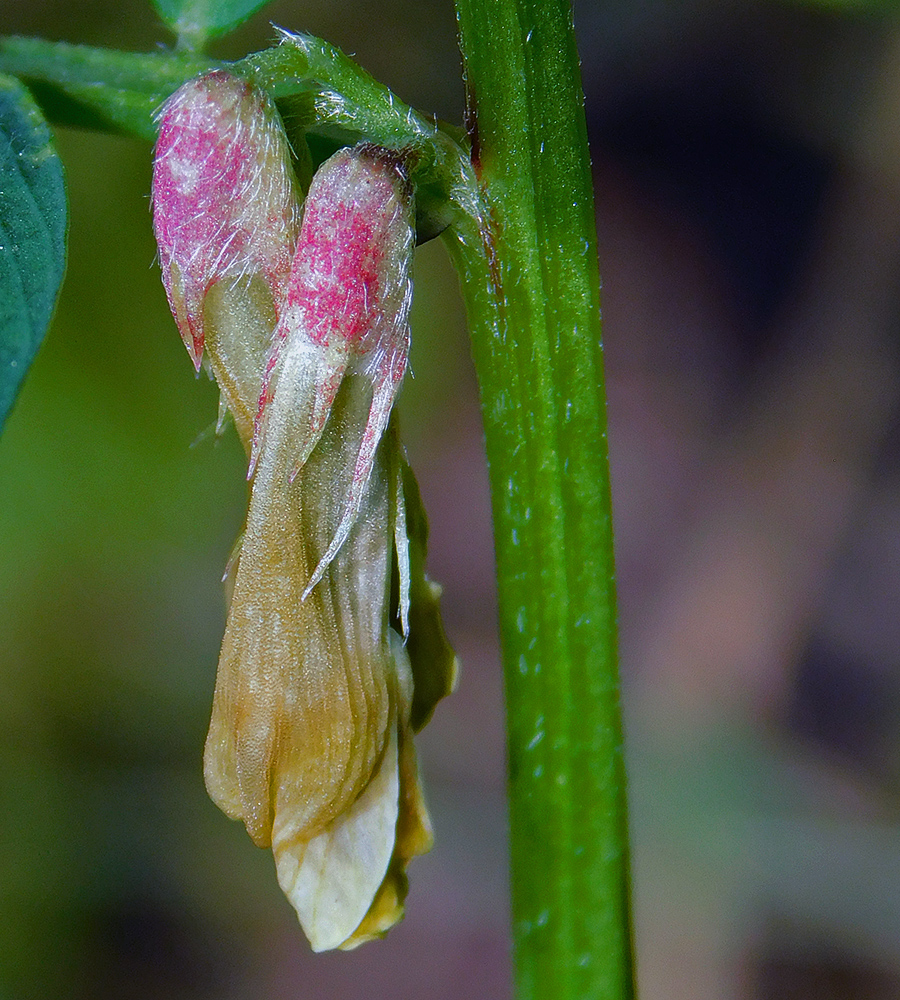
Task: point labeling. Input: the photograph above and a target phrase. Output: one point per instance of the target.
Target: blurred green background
(748, 192)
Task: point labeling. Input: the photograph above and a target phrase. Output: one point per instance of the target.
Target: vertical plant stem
(531, 283)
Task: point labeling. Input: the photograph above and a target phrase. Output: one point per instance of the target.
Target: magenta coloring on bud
(343, 277)
(347, 307)
(225, 201)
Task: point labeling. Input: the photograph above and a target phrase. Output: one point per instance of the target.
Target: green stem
(531, 285)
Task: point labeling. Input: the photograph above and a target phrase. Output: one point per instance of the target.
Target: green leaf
(32, 235)
(195, 20)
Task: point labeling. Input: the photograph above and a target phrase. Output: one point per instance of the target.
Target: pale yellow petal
(413, 835)
(332, 880)
(239, 317)
(301, 710)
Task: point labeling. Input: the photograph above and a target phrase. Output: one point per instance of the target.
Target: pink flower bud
(225, 202)
(346, 312)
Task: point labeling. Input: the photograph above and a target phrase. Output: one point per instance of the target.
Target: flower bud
(226, 204)
(346, 312)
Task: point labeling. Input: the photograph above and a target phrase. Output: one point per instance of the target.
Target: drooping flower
(334, 651)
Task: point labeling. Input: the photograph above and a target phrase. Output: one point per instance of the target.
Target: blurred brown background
(747, 164)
